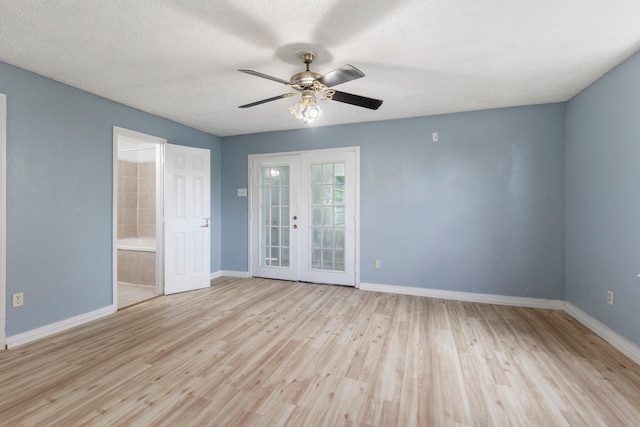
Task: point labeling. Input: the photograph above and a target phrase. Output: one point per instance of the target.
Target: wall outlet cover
(18, 299)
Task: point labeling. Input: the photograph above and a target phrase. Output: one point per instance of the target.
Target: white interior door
(304, 216)
(187, 248)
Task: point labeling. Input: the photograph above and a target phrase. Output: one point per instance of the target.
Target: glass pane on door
(274, 216)
(327, 225)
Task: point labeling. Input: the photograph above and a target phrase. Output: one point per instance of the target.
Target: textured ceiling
(179, 58)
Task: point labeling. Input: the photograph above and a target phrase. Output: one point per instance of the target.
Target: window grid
(274, 216)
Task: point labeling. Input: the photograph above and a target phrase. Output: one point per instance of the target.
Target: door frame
(250, 159)
(119, 132)
(3, 218)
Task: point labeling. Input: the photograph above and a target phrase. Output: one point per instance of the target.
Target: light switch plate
(242, 192)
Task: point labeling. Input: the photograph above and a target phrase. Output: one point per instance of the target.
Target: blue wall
(483, 210)
(603, 199)
(480, 211)
(59, 195)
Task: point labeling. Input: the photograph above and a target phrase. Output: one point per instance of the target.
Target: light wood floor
(251, 352)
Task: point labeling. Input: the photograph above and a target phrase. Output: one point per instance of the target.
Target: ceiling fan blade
(266, 76)
(344, 74)
(253, 104)
(360, 101)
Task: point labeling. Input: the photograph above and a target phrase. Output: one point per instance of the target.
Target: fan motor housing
(305, 78)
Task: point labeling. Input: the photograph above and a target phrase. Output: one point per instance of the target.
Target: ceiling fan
(308, 84)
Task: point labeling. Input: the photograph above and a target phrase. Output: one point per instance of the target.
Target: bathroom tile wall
(147, 199)
(136, 199)
(136, 267)
(136, 218)
(127, 199)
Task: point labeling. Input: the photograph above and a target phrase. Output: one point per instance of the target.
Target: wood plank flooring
(254, 352)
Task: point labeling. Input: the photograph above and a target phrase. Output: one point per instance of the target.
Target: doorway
(161, 218)
(304, 216)
(138, 228)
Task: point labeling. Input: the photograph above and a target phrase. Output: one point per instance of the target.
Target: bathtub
(146, 244)
(137, 261)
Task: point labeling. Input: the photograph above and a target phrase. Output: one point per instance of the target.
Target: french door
(304, 216)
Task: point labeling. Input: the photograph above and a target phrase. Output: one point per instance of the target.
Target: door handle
(206, 223)
(295, 226)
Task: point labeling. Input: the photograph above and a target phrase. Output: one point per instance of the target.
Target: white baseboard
(625, 346)
(609, 335)
(54, 328)
(465, 296)
(229, 273)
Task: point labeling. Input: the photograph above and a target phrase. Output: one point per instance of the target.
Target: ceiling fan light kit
(307, 109)
(308, 84)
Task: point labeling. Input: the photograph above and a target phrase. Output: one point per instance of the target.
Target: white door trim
(3, 217)
(250, 161)
(119, 132)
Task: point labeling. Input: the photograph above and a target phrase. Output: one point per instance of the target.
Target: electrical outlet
(434, 136)
(18, 299)
(377, 264)
(610, 297)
